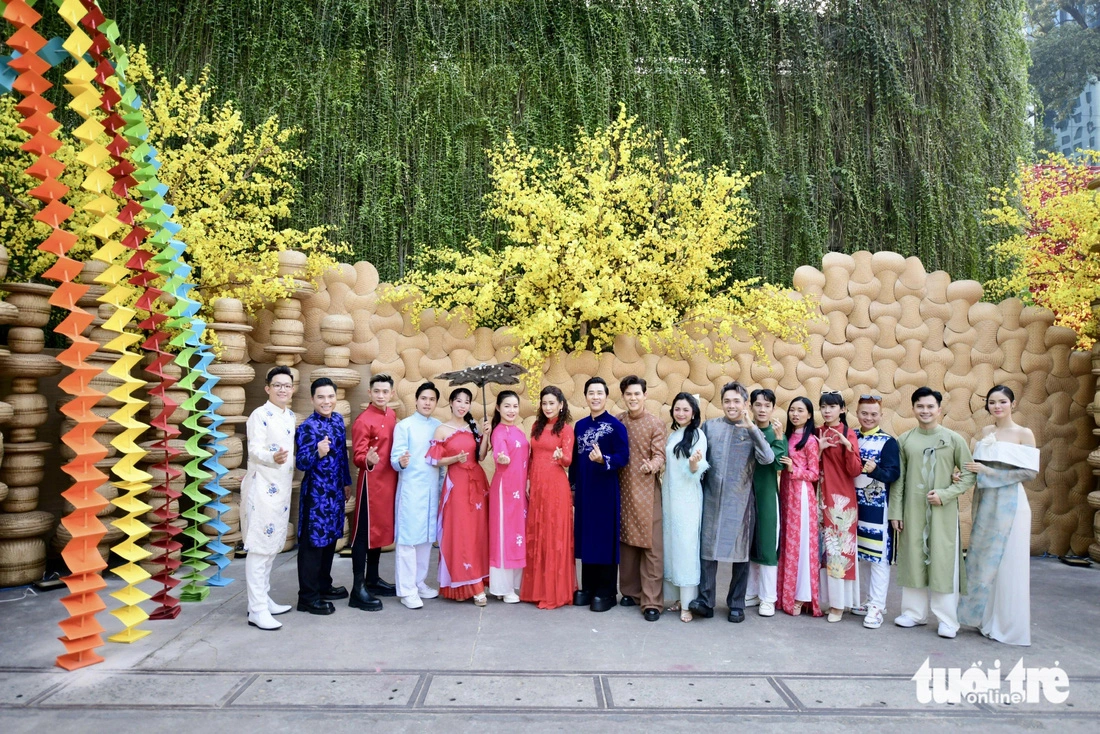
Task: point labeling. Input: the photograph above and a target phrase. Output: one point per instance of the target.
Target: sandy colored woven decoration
(888, 327)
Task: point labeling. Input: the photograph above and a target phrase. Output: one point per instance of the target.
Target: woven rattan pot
(22, 561)
(25, 524)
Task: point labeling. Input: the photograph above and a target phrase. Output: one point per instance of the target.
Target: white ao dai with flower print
(266, 487)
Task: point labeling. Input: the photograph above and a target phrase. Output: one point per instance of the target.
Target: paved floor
(465, 668)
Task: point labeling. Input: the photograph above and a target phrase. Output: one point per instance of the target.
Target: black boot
(362, 599)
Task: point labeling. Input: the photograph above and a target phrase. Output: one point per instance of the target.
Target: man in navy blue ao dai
(321, 454)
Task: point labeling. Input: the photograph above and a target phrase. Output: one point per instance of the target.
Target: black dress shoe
(317, 607)
(652, 615)
(699, 609)
(627, 601)
(602, 603)
(379, 587)
(334, 592)
(737, 615)
(581, 598)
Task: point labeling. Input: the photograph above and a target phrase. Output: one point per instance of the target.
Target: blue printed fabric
(321, 503)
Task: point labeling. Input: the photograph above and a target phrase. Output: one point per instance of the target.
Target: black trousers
(599, 579)
(735, 597)
(314, 570)
(364, 560)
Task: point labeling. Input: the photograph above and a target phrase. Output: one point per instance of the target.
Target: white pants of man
(878, 584)
(762, 582)
(915, 603)
(257, 573)
(411, 567)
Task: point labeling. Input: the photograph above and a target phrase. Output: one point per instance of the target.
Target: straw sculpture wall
(888, 327)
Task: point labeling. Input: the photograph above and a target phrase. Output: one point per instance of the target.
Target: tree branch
(7, 194)
(248, 172)
(1074, 12)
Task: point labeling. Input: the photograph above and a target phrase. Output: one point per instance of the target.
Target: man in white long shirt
(265, 494)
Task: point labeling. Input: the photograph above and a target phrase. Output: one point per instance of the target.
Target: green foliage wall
(879, 124)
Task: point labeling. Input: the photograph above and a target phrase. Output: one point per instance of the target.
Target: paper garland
(104, 86)
(83, 633)
(129, 130)
(189, 339)
(217, 548)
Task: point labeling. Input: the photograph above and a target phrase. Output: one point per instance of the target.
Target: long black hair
(542, 420)
(808, 429)
(683, 449)
(469, 418)
(835, 398)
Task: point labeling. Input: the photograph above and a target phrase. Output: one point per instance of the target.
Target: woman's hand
(974, 466)
(786, 462)
(503, 459)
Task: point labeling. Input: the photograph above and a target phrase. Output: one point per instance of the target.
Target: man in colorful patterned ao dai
(265, 494)
(881, 468)
(322, 455)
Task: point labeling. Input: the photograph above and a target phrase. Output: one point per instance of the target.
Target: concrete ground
(470, 669)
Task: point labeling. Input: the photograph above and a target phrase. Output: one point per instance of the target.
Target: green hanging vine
(876, 124)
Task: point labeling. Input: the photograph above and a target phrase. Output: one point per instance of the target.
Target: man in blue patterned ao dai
(321, 453)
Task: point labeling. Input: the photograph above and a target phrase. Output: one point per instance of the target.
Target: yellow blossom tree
(1053, 253)
(625, 234)
(231, 185)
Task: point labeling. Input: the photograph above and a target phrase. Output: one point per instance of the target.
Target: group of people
(796, 508)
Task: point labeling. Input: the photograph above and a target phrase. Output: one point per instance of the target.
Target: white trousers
(878, 583)
(915, 603)
(803, 586)
(257, 573)
(686, 594)
(411, 567)
(504, 581)
(838, 593)
(762, 582)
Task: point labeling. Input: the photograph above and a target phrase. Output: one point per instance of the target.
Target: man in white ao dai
(265, 494)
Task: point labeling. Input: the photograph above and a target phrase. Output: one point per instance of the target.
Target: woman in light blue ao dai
(682, 500)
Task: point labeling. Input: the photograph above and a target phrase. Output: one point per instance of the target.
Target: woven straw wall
(888, 327)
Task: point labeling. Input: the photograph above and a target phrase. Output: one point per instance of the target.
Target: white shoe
(873, 619)
(752, 601)
(767, 609)
(412, 601)
(860, 611)
(904, 620)
(276, 609)
(512, 598)
(427, 592)
(263, 620)
(945, 631)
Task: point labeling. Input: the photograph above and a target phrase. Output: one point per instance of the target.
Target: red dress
(463, 519)
(550, 577)
(797, 485)
(839, 469)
